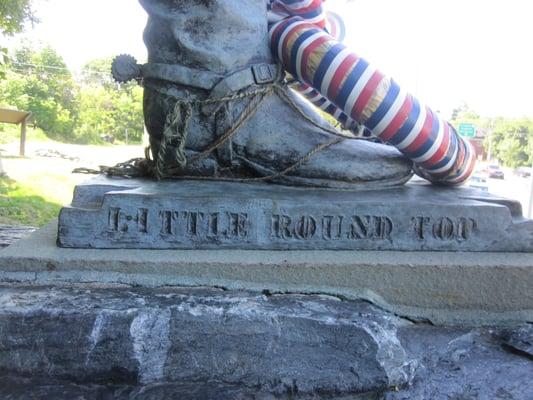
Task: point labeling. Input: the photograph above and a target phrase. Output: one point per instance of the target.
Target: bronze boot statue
(217, 106)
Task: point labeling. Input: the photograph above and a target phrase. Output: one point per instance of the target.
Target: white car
(478, 182)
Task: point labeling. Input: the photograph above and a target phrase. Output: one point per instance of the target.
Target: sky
(445, 52)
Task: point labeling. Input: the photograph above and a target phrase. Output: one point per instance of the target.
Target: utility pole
(489, 134)
(530, 209)
(23, 131)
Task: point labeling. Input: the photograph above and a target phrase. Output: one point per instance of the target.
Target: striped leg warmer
(365, 95)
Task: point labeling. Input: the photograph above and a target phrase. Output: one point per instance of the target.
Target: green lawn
(11, 133)
(36, 187)
(21, 205)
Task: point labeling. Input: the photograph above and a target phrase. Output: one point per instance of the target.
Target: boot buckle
(264, 73)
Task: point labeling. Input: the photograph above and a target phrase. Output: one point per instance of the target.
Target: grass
(36, 187)
(11, 133)
(22, 205)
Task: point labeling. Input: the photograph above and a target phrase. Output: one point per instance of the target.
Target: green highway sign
(467, 130)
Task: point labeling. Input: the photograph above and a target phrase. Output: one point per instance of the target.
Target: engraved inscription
(212, 225)
(444, 228)
(209, 225)
(237, 225)
(167, 219)
(281, 226)
(193, 219)
(142, 220)
(120, 221)
(305, 228)
(191, 224)
(370, 227)
(113, 219)
(331, 227)
(420, 225)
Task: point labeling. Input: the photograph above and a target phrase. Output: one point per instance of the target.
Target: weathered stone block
(282, 345)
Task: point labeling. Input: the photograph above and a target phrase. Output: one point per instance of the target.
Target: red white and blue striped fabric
(325, 105)
(365, 95)
(334, 25)
(310, 10)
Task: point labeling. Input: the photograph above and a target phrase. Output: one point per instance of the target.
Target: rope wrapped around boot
(172, 148)
(175, 135)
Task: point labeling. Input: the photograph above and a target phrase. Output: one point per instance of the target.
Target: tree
(4, 59)
(98, 73)
(14, 14)
(512, 143)
(107, 108)
(110, 112)
(41, 83)
(463, 113)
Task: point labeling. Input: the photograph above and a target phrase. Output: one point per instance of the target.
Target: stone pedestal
(193, 298)
(119, 213)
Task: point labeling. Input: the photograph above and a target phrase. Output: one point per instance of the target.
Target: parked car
(523, 172)
(479, 182)
(495, 172)
(107, 138)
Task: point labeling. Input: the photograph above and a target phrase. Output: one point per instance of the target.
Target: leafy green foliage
(509, 141)
(98, 73)
(512, 143)
(14, 14)
(107, 108)
(76, 111)
(11, 133)
(4, 58)
(110, 112)
(41, 83)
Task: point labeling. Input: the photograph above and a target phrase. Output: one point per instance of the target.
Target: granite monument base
(119, 213)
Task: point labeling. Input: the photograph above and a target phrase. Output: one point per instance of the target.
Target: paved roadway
(512, 187)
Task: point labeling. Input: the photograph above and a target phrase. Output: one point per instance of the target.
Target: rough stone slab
(119, 213)
(446, 288)
(521, 340)
(10, 234)
(124, 343)
(281, 345)
(468, 364)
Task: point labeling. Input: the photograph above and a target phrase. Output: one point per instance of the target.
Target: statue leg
(351, 88)
(216, 107)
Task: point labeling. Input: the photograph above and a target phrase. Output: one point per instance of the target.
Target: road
(48, 165)
(512, 187)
